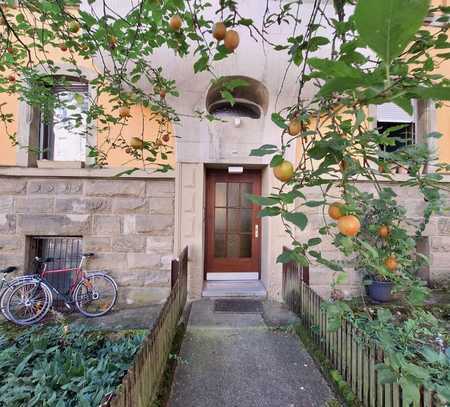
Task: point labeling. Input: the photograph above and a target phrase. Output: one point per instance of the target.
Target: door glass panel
(246, 220)
(221, 194)
(246, 189)
(246, 245)
(219, 245)
(233, 194)
(233, 245)
(233, 220)
(220, 219)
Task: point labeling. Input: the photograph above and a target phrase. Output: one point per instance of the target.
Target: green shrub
(61, 367)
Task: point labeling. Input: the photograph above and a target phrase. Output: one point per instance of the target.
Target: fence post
(174, 271)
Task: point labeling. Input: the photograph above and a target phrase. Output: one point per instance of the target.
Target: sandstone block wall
(127, 223)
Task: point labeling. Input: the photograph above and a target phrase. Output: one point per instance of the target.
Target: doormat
(238, 306)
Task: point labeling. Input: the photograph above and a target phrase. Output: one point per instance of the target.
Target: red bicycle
(93, 294)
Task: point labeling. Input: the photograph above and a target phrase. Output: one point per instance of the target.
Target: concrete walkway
(241, 360)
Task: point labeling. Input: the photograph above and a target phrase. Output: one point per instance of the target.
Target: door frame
(253, 175)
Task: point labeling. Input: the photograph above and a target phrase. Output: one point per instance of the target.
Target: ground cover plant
(369, 52)
(60, 365)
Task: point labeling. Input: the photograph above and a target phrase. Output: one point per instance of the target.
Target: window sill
(111, 172)
(59, 164)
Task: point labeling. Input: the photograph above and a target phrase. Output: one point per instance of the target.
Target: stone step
(252, 289)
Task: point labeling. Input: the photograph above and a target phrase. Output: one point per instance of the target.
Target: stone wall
(127, 223)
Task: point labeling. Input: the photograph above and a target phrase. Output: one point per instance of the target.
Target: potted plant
(383, 251)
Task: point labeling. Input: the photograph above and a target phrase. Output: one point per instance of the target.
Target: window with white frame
(63, 133)
(397, 124)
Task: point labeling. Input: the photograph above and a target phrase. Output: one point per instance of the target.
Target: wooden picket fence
(140, 385)
(346, 349)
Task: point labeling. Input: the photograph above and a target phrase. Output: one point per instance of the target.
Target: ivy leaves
(385, 28)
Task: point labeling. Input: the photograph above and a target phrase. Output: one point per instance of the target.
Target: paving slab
(237, 360)
(120, 319)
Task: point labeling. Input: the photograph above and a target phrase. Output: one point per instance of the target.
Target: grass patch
(174, 359)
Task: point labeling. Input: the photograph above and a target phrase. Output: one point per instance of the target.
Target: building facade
(137, 223)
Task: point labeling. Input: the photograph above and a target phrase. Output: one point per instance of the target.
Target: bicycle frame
(79, 272)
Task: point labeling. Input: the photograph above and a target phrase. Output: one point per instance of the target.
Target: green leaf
(314, 241)
(388, 26)
(269, 211)
(341, 278)
(314, 204)
(436, 92)
(385, 374)
(262, 200)
(279, 121)
(228, 97)
(384, 315)
(232, 84)
(276, 160)
(431, 355)
(405, 104)
(338, 69)
(410, 391)
(201, 64)
(299, 219)
(266, 149)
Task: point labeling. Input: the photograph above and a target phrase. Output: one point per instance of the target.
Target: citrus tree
(378, 51)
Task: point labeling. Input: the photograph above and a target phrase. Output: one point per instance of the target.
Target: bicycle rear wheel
(28, 302)
(95, 295)
(7, 291)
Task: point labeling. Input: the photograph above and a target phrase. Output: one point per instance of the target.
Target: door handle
(256, 231)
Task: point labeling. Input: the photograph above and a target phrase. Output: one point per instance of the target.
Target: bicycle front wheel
(29, 302)
(95, 295)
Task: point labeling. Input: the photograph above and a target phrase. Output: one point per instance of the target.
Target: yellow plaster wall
(7, 150)
(139, 124)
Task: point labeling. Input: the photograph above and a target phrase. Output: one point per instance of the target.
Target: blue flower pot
(380, 291)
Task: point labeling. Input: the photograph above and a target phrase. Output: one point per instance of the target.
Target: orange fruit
(284, 171)
(349, 225)
(11, 78)
(391, 263)
(219, 30)
(175, 22)
(335, 210)
(112, 42)
(294, 127)
(124, 112)
(137, 143)
(383, 231)
(166, 138)
(231, 40)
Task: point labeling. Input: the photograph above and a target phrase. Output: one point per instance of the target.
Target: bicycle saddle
(7, 270)
(88, 254)
(43, 260)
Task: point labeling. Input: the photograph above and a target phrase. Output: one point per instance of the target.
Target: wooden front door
(233, 229)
